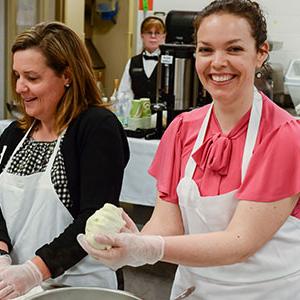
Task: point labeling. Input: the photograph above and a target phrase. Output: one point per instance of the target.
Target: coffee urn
(179, 86)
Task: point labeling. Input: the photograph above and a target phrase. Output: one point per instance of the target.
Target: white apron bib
(273, 273)
(34, 216)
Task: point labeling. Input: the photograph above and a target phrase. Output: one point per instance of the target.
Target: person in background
(139, 77)
(60, 162)
(228, 209)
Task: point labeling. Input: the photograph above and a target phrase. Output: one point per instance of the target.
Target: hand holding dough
(106, 220)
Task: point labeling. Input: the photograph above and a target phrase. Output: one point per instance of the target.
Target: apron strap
(252, 132)
(53, 155)
(191, 164)
(55, 150)
(18, 146)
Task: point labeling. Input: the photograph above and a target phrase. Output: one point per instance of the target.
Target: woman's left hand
(127, 249)
(16, 280)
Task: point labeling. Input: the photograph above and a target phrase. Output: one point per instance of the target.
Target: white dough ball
(105, 220)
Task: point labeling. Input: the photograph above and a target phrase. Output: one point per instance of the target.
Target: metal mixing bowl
(80, 293)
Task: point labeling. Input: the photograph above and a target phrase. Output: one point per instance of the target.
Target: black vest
(141, 85)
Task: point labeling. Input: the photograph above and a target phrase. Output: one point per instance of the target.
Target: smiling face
(226, 57)
(39, 86)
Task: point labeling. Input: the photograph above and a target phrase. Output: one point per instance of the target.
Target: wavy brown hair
(64, 52)
(250, 10)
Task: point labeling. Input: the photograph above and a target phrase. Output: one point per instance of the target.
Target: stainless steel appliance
(179, 87)
(77, 293)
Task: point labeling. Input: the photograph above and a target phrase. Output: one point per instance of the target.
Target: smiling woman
(63, 160)
(40, 88)
(226, 63)
(226, 179)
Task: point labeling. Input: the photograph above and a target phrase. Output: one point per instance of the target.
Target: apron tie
(214, 154)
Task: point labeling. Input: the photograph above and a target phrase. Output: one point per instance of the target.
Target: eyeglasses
(151, 33)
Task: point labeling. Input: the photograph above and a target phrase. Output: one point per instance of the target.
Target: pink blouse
(273, 172)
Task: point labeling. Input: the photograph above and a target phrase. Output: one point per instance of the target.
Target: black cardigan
(95, 151)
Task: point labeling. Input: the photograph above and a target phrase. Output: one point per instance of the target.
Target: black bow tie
(148, 57)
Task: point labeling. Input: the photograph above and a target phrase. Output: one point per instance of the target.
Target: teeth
(221, 78)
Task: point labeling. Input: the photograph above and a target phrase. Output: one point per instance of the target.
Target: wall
(114, 42)
(284, 25)
(74, 16)
(166, 5)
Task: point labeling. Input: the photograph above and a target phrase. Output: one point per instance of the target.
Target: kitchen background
(283, 18)
(116, 37)
(112, 39)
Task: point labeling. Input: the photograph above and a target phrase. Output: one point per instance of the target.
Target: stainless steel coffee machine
(179, 87)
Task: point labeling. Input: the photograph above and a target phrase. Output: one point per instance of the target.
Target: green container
(136, 109)
(146, 107)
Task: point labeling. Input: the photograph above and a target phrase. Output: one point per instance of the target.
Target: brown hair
(63, 51)
(151, 22)
(250, 10)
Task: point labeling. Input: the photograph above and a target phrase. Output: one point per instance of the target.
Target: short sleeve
(167, 162)
(274, 170)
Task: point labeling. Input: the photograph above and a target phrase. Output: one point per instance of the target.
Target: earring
(258, 74)
(67, 85)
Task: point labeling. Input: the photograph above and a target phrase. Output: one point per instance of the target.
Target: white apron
(273, 273)
(34, 216)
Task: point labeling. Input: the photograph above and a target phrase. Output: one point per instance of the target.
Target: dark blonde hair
(247, 9)
(64, 52)
(151, 22)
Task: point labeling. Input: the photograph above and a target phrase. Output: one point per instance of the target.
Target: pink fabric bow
(214, 154)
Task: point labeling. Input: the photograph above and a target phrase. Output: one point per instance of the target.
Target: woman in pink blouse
(227, 175)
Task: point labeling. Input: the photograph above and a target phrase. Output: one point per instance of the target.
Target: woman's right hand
(126, 249)
(130, 226)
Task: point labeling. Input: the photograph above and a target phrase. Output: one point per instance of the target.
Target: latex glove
(130, 226)
(16, 280)
(5, 261)
(127, 249)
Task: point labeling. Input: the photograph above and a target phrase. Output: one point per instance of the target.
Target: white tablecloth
(138, 186)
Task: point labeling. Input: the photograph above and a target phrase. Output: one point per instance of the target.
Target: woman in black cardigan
(62, 161)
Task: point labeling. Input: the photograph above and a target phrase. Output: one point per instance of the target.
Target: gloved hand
(16, 280)
(5, 261)
(127, 249)
(130, 226)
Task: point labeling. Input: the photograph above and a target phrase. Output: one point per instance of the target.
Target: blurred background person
(63, 160)
(140, 74)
